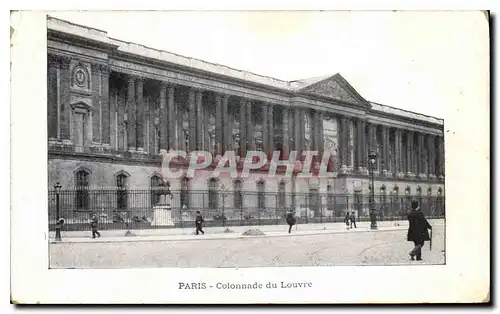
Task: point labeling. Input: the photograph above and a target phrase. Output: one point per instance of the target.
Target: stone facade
(114, 107)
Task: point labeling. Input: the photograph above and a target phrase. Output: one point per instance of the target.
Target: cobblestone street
(348, 248)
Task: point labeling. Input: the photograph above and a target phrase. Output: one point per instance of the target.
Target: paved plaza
(301, 248)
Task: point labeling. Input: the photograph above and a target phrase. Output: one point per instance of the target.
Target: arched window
(184, 192)
(213, 195)
(156, 189)
(395, 191)
(82, 194)
(238, 195)
(314, 201)
(261, 197)
(121, 191)
(281, 195)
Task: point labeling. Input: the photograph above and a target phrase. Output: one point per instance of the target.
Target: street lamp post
(372, 158)
(58, 188)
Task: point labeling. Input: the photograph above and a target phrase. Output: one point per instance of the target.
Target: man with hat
(290, 220)
(199, 223)
(418, 230)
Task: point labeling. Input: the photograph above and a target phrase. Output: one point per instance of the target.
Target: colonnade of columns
(402, 153)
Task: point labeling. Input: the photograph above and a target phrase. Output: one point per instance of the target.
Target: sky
(417, 61)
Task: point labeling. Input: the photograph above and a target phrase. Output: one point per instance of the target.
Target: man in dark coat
(353, 219)
(290, 220)
(418, 230)
(199, 223)
(93, 223)
(347, 220)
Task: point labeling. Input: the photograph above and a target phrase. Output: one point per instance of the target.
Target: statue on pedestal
(163, 210)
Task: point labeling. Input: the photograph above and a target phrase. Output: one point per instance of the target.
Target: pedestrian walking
(199, 223)
(353, 219)
(347, 220)
(93, 224)
(418, 230)
(290, 220)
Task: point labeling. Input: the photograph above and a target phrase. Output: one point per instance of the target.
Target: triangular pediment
(336, 87)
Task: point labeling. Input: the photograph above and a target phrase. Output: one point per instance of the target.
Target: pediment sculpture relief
(331, 88)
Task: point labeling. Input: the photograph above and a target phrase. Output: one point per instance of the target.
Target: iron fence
(145, 209)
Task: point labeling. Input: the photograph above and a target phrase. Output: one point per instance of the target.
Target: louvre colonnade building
(114, 106)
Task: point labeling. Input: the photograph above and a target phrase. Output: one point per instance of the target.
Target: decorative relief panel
(330, 88)
(80, 77)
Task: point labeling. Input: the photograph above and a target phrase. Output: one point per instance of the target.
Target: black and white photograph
(241, 141)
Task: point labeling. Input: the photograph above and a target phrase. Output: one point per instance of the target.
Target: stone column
(249, 126)
(163, 118)
(131, 114)
(364, 146)
(385, 151)
(425, 156)
(113, 119)
(152, 116)
(180, 118)
(298, 135)
(192, 119)
(398, 145)
(291, 129)
(140, 107)
(312, 130)
(359, 145)
(286, 144)
(416, 155)
(409, 154)
(219, 144)
(265, 129)
(65, 106)
(243, 126)
(207, 139)
(303, 113)
(431, 147)
(228, 132)
(372, 134)
(320, 146)
(344, 129)
(107, 120)
(199, 120)
(422, 157)
(172, 143)
(271, 130)
(53, 104)
(350, 149)
(96, 104)
(441, 158)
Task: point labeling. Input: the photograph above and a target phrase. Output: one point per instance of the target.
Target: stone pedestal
(162, 213)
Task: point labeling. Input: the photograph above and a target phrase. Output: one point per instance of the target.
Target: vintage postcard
(250, 156)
